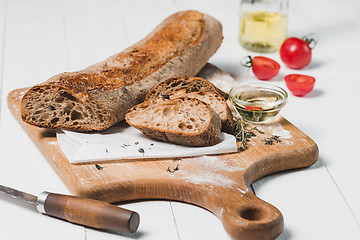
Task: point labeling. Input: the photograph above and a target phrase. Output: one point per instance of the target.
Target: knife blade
(83, 211)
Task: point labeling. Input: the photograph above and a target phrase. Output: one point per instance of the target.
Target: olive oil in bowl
(258, 102)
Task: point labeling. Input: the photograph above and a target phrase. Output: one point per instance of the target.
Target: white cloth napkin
(125, 142)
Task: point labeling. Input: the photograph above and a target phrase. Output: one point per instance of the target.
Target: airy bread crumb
(184, 121)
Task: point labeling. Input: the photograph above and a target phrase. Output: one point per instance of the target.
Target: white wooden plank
(197, 223)
(34, 51)
(311, 204)
(2, 43)
(337, 84)
(141, 16)
(94, 31)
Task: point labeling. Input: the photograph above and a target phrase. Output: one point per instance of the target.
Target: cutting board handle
(248, 217)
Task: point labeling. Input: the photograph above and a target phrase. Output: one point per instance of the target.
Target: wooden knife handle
(88, 212)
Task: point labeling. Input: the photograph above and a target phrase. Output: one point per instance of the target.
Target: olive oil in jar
(262, 31)
(259, 105)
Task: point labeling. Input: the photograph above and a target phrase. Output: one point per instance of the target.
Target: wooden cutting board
(218, 183)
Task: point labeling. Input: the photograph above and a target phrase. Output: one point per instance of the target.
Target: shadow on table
(135, 235)
(285, 235)
(314, 65)
(315, 93)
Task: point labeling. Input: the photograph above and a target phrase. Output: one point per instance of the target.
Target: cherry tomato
(296, 53)
(299, 85)
(265, 68)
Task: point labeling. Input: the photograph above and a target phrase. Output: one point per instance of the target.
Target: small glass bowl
(258, 102)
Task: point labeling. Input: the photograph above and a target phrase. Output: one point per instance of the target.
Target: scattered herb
(141, 150)
(172, 170)
(243, 134)
(272, 139)
(98, 167)
(151, 144)
(125, 145)
(107, 151)
(136, 143)
(261, 132)
(176, 159)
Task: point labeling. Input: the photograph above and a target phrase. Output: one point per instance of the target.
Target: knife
(83, 211)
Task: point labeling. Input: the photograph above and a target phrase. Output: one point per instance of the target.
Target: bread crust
(186, 82)
(115, 85)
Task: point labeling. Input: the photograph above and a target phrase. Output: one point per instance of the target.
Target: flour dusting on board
(211, 168)
(214, 163)
(278, 130)
(218, 77)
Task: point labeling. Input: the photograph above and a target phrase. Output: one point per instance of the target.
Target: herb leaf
(272, 139)
(141, 150)
(98, 167)
(172, 170)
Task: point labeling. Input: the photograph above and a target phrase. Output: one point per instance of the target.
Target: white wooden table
(41, 38)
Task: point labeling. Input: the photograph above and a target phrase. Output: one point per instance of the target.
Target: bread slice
(191, 84)
(216, 102)
(183, 121)
(99, 96)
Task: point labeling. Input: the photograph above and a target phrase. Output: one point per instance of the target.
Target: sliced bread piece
(183, 121)
(191, 84)
(216, 102)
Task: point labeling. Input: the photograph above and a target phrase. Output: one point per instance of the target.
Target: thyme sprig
(244, 134)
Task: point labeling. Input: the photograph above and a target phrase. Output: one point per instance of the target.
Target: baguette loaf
(216, 102)
(99, 96)
(190, 84)
(184, 121)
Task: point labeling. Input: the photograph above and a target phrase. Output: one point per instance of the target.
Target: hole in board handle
(252, 213)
